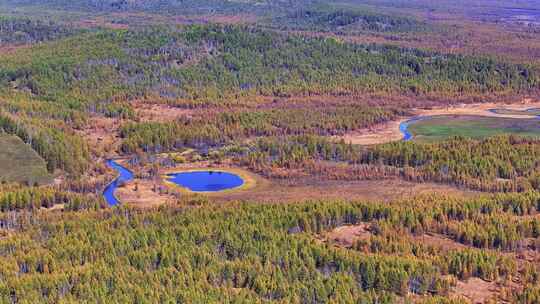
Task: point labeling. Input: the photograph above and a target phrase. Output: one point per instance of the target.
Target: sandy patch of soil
(439, 241)
(379, 134)
(7, 49)
(389, 131)
(144, 194)
(345, 236)
(100, 21)
(481, 109)
(475, 290)
(161, 112)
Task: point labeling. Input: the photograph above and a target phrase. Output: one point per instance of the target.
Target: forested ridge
(347, 19)
(102, 71)
(166, 6)
(243, 60)
(299, 65)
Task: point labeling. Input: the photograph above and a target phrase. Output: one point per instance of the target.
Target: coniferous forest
(381, 151)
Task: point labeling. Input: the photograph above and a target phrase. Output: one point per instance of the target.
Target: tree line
(502, 163)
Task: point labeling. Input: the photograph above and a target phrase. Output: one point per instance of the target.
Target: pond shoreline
(206, 181)
(114, 194)
(249, 181)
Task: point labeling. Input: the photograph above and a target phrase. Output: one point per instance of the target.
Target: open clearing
(19, 163)
(275, 190)
(389, 131)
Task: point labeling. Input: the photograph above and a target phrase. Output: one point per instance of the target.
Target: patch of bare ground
(161, 112)
(142, 193)
(5, 233)
(8, 49)
(346, 236)
(439, 241)
(480, 109)
(475, 290)
(389, 131)
(101, 134)
(216, 18)
(54, 208)
(101, 22)
(378, 134)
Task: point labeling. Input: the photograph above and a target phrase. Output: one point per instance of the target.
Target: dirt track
(389, 131)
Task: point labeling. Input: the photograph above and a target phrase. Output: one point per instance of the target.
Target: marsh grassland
(437, 128)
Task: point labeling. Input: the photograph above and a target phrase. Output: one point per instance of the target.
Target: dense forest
(216, 62)
(250, 252)
(499, 163)
(230, 127)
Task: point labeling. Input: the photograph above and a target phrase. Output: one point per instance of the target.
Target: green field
(442, 127)
(19, 163)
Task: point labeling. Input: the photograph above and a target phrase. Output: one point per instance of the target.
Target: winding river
(124, 175)
(404, 127)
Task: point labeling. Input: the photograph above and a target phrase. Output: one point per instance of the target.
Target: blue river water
(206, 181)
(124, 176)
(404, 128)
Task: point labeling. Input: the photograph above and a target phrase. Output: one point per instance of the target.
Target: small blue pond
(124, 176)
(206, 181)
